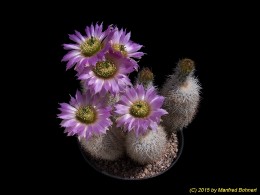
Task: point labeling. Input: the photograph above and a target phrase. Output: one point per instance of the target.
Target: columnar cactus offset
(181, 92)
(114, 118)
(146, 148)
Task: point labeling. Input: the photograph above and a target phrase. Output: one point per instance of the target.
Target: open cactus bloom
(115, 118)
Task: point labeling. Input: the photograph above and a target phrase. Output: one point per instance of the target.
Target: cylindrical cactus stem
(182, 95)
(109, 146)
(145, 77)
(146, 148)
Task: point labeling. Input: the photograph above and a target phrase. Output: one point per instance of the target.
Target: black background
(220, 145)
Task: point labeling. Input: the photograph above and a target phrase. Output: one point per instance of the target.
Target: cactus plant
(182, 96)
(114, 118)
(146, 148)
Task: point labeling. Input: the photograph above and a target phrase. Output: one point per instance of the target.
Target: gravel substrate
(125, 168)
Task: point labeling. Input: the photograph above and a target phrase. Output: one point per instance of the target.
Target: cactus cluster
(112, 117)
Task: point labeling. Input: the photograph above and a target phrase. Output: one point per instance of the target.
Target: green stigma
(140, 109)
(91, 46)
(105, 69)
(86, 114)
(120, 48)
(186, 66)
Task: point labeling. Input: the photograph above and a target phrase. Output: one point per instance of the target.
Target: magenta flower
(123, 46)
(109, 75)
(85, 116)
(88, 49)
(139, 110)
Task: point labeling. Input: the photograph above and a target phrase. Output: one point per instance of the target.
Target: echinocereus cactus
(146, 148)
(140, 111)
(113, 118)
(181, 92)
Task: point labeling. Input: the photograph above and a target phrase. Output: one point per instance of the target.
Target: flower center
(86, 114)
(140, 109)
(105, 69)
(91, 46)
(121, 48)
